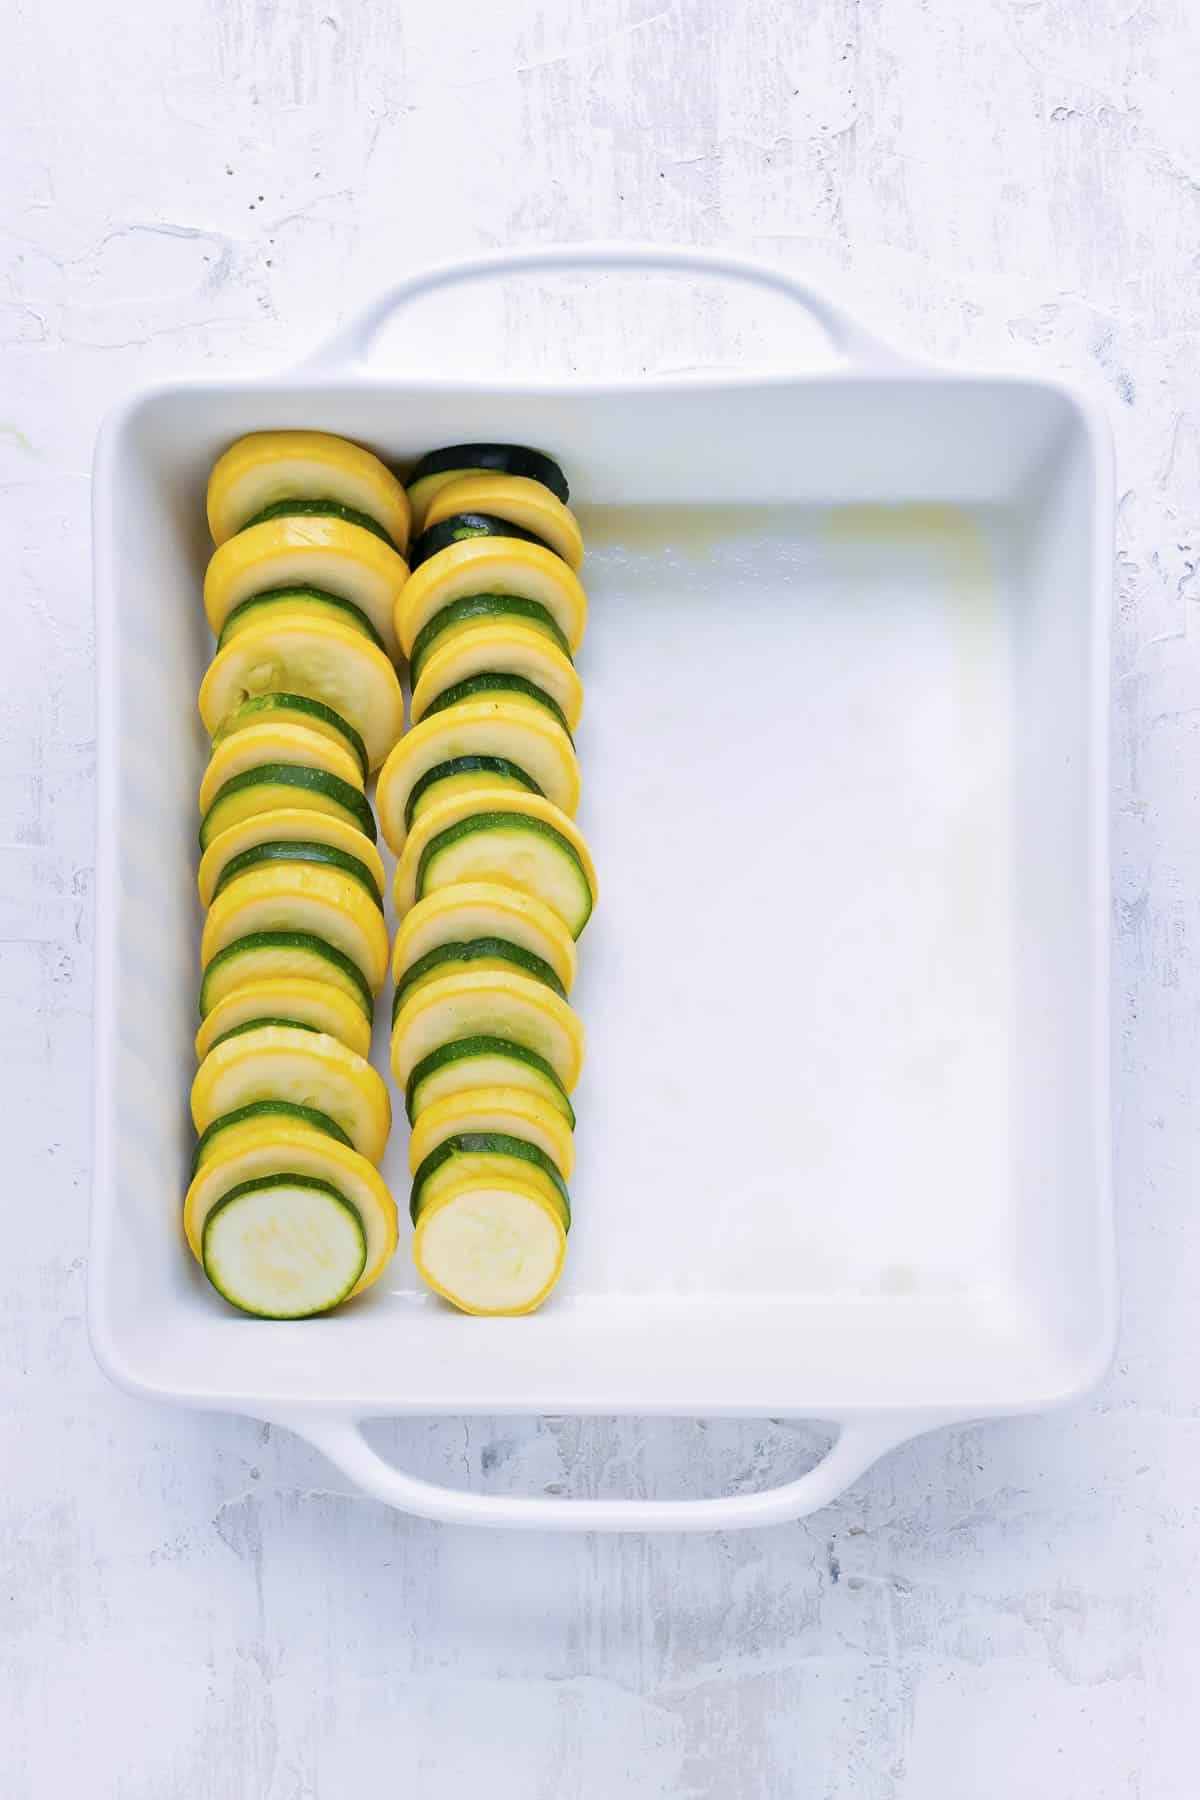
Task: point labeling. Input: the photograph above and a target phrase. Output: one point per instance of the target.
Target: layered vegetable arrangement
(312, 603)
(493, 881)
(287, 1210)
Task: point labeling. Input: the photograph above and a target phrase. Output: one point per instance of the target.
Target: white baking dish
(844, 1129)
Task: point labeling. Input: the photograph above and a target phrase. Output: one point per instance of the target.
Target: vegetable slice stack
(494, 881)
(287, 1212)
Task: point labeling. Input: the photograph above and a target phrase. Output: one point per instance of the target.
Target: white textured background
(191, 1609)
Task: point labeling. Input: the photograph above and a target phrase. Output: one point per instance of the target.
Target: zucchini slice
(249, 1125)
(487, 953)
(303, 851)
(287, 825)
(325, 662)
(496, 686)
(457, 527)
(279, 1144)
(492, 566)
(498, 1004)
(512, 1112)
(491, 1247)
(284, 1246)
(496, 651)
(441, 466)
(483, 909)
(282, 956)
(483, 609)
(267, 467)
(512, 729)
(325, 553)
(483, 1062)
(295, 709)
(272, 743)
(306, 603)
(301, 897)
(488, 1154)
(280, 787)
(514, 840)
(515, 498)
(294, 1000)
(282, 1062)
(320, 509)
(465, 775)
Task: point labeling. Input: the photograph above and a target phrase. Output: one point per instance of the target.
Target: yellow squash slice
(500, 648)
(301, 897)
(492, 1247)
(296, 655)
(307, 1068)
(519, 500)
(259, 744)
(285, 825)
(296, 552)
(484, 909)
(517, 731)
(492, 566)
(296, 1000)
(497, 1004)
(281, 1147)
(515, 1111)
(270, 466)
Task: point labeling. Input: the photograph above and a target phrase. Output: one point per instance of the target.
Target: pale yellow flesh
(285, 1252)
(520, 731)
(480, 909)
(305, 1068)
(491, 1248)
(268, 466)
(316, 1003)
(517, 498)
(307, 551)
(301, 897)
(290, 1147)
(286, 825)
(512, 1110)
(504, 1005)
(498, 648)
(258, 745)
(492, 566)
(293, 654)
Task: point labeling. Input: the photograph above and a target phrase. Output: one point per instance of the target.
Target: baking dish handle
(352, 344)
(860, 1442)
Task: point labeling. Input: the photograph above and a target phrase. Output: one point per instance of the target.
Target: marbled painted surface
(192, 1609)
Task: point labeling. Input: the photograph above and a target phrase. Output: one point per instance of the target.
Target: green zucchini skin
(319, 509)
(265, 704)
(488, 1143)
(293, 775)
(344, 611)
(263, 1184)
(507, 824)
(487, 607)
(291, 940)
(299, 851)
(473, 686)
(264, 1109)
(495, 459)
(462, 1049)
(476, 950)
(461, 527)
(467, 765)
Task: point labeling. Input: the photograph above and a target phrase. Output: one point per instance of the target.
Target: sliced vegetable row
(494, 882)
(287, 1211)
